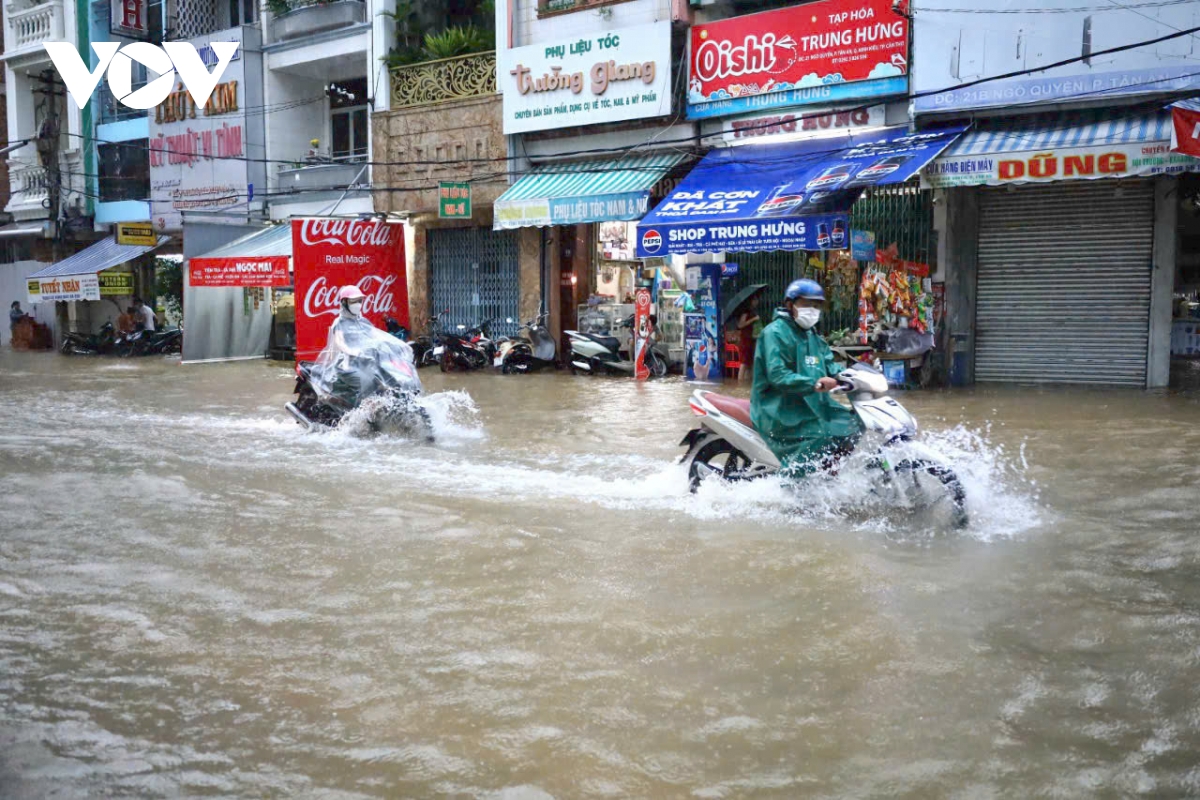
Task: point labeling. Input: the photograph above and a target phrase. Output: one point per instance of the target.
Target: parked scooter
(602, 354)
(149, 343)
(89, 344)
(726, 445)
(467, 349)
(533, 351)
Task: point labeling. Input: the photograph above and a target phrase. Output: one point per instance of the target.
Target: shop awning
(569, 193)
(76, 277)
(261, 258)
(15, 229)
(102, 255)
(793, 196)
(1069, 146)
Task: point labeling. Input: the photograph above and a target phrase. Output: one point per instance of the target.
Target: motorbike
(89, 344)
(361, 367)
(593, 354)
(726, 445)
(467, 349)
(536, 350)
(149, 343)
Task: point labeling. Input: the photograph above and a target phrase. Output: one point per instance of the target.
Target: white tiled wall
(528, 29)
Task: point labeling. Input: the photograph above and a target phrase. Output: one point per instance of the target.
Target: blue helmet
(805, 289)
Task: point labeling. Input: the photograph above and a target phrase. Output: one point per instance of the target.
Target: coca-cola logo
(346, 232)
(321, 297)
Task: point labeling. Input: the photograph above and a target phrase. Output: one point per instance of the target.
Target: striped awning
(103, 255)
(569, 193)
(1069, 146)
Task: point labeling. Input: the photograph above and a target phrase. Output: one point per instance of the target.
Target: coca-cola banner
(250, 271)
(328, 254)
(822, 52)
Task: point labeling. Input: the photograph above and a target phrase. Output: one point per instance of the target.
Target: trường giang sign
(198, 152)
(822, 52)
(617, 75)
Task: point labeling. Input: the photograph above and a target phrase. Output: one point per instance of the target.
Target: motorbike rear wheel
(656, 363)
(714, 456)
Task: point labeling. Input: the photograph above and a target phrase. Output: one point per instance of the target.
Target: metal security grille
(1064, 283)
(900, 215)
(473, 276)
(196, 18)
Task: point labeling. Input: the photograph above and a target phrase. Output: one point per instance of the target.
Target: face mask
(806, 317)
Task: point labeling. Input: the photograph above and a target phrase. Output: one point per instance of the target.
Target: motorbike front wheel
(657, 364)
(930, 486)
(714, 457)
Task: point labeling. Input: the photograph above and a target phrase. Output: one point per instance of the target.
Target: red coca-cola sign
(812, 46)
(329, 253)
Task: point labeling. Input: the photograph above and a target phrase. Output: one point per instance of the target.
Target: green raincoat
(798, 423)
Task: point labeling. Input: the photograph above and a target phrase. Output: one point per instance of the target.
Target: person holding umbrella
(749, 326)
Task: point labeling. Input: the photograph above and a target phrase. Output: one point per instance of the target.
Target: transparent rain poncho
(360, 361)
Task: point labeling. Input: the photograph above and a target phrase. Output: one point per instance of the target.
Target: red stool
(732, 360)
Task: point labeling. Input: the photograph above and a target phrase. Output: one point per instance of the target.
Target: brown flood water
(197, 599)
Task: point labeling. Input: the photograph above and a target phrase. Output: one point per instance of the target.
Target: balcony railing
(308, 17)
(29, 187)
(447, 79)
(111, 110)
(340, 175)
(29, 27)
(546, 8)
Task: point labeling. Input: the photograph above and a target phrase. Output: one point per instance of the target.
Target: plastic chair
(732, 362)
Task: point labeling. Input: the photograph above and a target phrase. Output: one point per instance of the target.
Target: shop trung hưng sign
(822, 52)
(618, 75)
(806, 124)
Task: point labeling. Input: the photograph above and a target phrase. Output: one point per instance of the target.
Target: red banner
(641, 333)
(1185, 133)
(800, 47)
(251, 271)
(330, 253)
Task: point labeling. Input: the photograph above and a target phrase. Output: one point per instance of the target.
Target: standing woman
(749, 326)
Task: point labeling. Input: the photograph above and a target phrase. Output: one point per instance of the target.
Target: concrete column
(418, 277)
(529, 272)
(553, 299)
(958, 257)
(1162, 279)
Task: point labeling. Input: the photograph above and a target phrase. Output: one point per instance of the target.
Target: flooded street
(197, 598)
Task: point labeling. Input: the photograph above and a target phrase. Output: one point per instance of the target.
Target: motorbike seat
(732, 407)
(608, 342)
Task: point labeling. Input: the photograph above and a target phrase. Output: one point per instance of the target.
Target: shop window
(546, 8)
(242, 12)
(124, 171)
(349, 115)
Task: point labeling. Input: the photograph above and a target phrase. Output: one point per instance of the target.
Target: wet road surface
(198, 599)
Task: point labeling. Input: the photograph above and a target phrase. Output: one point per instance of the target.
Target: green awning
(573, 192)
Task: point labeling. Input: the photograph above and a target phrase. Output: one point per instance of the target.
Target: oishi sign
(822, 52)
(331, 253)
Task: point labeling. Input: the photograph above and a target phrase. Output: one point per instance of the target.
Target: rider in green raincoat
(790, 403)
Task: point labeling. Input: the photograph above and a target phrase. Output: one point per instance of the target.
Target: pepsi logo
(651, 241)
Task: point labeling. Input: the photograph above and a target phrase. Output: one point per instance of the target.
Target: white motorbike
(727, 446)
(594, 354)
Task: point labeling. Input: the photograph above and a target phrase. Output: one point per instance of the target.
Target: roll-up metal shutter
(1063, 292)
(473, 276)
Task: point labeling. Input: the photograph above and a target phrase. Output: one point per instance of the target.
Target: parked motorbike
(149, 343)
(467, 349)
(602, 354)
(89, 344)
(361, 367)
(534, 350)
(726, 445)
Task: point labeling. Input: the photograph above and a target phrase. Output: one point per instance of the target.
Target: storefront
(1062, 233)
(783, 211)
(96, 285)
(591, 208)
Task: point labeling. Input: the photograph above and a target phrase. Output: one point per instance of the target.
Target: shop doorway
(1185, 307)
